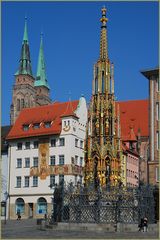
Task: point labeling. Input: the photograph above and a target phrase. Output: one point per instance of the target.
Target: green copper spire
(25, 62)
(25, 36)
(41, 78)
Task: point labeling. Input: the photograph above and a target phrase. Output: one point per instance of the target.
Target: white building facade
(46, 145)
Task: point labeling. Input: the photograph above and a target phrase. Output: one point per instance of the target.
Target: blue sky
(71, 45)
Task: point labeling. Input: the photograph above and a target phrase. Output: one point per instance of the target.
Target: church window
(103, 90)
(18, 104)
(22, 103)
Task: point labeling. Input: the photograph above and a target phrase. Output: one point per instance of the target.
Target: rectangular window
(35, 162)
(61, 142)
(158, 87)
(158, 143)
(36, 125)
(47, 124)
(157, 174)
(81, 144)
(18, 182)
(81, 161)
(157, 111)
(61, 159)
(27, 145)
(26, 127)
(27, 162)
(35, 144)
(61, 178)
(76, 160)
(26, 181)
(19, 146)
(52, 179)
(76, 142)
(35, 181)
(52, 160)
(19, 162)
(53, 142)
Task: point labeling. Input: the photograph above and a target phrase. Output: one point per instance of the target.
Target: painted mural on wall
(67, 169)
(43, 154)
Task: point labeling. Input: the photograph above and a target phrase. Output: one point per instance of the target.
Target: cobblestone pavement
(28, 229)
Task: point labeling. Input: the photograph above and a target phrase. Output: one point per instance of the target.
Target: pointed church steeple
(41, 78)
(25, 61)
(103, 39)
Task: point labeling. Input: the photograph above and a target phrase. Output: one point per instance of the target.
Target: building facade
(28, 91)
(4, 172)
(46, 146)
(154, 124)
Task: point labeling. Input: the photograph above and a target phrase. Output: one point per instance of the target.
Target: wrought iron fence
(79, 204)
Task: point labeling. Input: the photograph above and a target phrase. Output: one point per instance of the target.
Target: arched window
(20, 205)
(22, 103)
(41, 206)
(18, 104)
(103, 89)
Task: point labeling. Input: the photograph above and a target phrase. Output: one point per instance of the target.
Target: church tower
(41, 84)
(28, 91)
(23, 89)
(103, 147)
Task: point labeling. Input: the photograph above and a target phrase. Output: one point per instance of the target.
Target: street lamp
(6, 195)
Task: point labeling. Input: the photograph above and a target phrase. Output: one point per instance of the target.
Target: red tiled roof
(134, 114)
(52, 112)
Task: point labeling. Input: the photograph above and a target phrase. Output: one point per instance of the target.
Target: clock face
(66, 128)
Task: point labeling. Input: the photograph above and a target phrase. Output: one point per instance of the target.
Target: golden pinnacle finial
(104, 19)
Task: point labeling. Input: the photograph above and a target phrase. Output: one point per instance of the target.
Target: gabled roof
(134, 114)
(48, 113)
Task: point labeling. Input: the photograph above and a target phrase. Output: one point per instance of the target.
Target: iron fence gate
(78, 204)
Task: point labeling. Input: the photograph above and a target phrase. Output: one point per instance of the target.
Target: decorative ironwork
(79, 204)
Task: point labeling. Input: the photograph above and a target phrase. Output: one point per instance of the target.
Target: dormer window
(26, 127)
(36, 125)
(47, 124)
